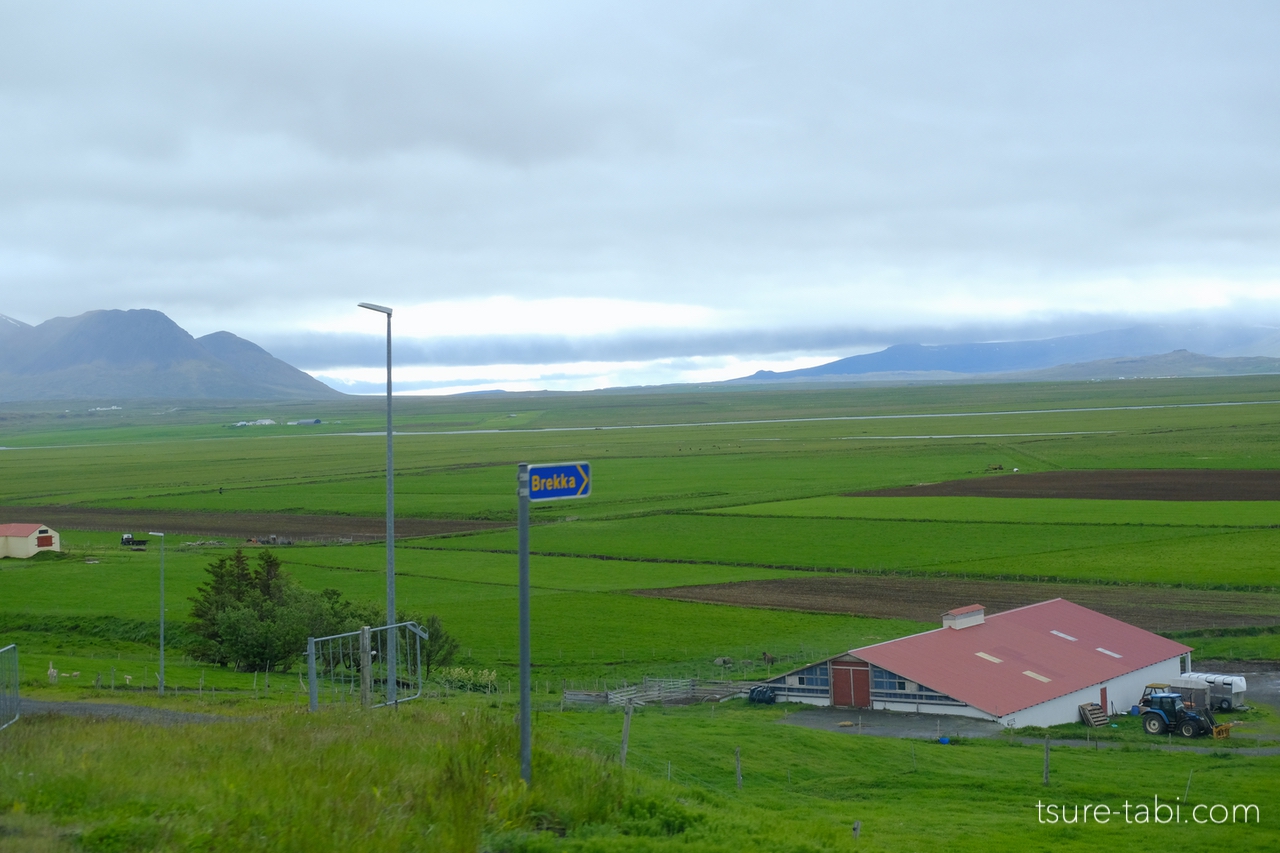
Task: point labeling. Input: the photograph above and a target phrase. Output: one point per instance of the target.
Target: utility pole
(391, 522)
(161, 535)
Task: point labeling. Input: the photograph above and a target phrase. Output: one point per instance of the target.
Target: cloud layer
(722, 179)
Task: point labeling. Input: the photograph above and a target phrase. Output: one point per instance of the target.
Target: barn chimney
(964, 617)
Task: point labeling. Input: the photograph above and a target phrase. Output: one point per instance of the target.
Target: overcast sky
(578, 195)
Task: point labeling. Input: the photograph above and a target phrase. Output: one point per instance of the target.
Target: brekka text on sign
(552, 482)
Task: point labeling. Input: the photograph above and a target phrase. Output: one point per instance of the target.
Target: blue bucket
(1134, 711)
(944, 740)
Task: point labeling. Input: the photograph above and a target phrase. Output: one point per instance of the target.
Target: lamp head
(153, 533)
(379, 308)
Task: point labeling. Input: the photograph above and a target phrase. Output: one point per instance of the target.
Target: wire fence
(372, 666)
(8, 685)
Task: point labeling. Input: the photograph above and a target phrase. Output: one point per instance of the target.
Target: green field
(1026, 511)
(689, 488)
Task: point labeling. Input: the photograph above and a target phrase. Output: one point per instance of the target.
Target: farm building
(24, 540)
(1033, 666)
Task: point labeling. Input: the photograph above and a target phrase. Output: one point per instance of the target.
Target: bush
(259, 618)
(441, 645)
(459, 678)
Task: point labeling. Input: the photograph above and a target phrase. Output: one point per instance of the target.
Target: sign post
(538, 483)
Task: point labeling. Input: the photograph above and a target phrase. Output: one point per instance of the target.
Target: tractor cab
(1170, 703)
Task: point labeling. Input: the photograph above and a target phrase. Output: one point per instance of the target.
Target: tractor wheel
(1187, 729)
(1153, 724)
(1224, 705)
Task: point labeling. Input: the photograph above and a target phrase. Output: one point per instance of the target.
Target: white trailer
(1224, 692)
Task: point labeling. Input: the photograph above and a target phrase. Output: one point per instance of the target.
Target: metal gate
(354, 667)
(8, 685)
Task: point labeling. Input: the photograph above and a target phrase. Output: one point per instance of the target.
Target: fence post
(626, 731)
(10, 679)
(737, 760)
(313, 685)
(366, 666)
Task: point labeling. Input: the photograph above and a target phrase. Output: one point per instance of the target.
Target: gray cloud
(327, 351)
(241, 165)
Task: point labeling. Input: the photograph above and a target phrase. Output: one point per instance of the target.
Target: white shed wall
(25, 546)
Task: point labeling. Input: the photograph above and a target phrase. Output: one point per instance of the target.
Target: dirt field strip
(1190, 484)
(926, 599)
(238, 525)
(105, 711)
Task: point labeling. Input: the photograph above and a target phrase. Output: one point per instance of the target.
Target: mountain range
(140, 354)
(1162, 350)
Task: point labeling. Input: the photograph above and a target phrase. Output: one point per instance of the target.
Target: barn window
(883, 679)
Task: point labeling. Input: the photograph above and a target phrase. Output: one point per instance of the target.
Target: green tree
(441, 647)
(257, 618)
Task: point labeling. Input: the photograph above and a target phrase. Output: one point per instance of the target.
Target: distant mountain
(955, 361)
(1179, 363)
(139, 354)
(8, 326)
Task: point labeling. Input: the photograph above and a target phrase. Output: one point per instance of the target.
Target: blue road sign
(556, 482)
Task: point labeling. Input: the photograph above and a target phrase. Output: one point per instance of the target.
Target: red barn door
(841, 686)
(862, 688)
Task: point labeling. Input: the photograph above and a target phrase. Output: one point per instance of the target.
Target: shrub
(259, 618)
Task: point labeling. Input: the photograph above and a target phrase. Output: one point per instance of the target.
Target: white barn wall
(931, 708)
(1123, 690)
(820, 701)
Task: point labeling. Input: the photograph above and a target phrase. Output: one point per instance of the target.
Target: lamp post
(161, 535)
(391, 523)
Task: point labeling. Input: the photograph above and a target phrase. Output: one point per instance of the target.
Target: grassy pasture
(441, 777)
(910, 792)
(475, 594)
(1025, 511)
(728, 500)
(170, 460)
(1213, 556)
(29, 424)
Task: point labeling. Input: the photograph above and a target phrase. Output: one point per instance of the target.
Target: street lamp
(391, 523)
(161, 535)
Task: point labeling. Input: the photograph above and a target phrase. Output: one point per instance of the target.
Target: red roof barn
(1031, 666)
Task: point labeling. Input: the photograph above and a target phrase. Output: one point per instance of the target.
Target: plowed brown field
(926, 599)
(237, 525)
(1122, 485)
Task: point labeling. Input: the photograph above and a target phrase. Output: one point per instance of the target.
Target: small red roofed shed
(27, 540)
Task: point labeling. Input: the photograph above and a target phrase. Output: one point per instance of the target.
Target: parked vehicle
(128, 541)
(1202, 690)
(1225, 692)
(1165, 712)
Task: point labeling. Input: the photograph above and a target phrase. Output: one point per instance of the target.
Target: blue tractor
(1164, 712)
